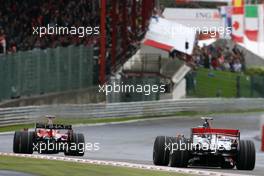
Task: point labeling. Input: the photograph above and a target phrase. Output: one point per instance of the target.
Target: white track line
(123, 164)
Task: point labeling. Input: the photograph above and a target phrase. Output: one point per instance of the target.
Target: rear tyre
(23, 142)
(179, 156)
(246, 156)
(76, 146)
(160, 151)
(17, 142)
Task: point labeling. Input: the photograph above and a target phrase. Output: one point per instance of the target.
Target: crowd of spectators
(127, 29)
(18, 18)
(219, 58)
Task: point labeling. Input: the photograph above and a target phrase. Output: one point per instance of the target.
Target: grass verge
(75, 121)
(44, 167)
(214, 83)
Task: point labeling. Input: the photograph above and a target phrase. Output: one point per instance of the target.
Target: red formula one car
(49, 138)
(207, 146)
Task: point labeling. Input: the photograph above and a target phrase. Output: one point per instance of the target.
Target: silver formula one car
(207, 146)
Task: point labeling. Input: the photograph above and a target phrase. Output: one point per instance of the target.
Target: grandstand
(123, 25)
(32, 65)
(17, 20)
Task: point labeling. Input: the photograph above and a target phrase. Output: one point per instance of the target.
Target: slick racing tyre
(160, 151)
(179, 156)
(246, 156)
(23, 142)
(76, 145)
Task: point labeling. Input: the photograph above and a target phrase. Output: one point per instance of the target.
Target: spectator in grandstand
(17, 20)
(12, 48)
(239, 56)
(2, 42)
(221, 61)
(214, 64)
(219, 58)
(206, 58)
(237, 66)
(226, 66)
(227, 53)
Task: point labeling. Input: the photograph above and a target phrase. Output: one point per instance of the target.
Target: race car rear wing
(53, 126)
(218, 131)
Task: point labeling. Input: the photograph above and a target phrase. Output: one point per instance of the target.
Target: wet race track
(133, 142)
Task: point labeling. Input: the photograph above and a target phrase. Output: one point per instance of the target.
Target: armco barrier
(29, 114)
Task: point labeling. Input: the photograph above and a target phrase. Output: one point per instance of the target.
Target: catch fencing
(38, 71)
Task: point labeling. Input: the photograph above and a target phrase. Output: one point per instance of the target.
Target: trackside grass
(61, 168)
(209, 83)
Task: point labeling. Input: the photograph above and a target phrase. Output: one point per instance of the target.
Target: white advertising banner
(201, 18)
(169, 35)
